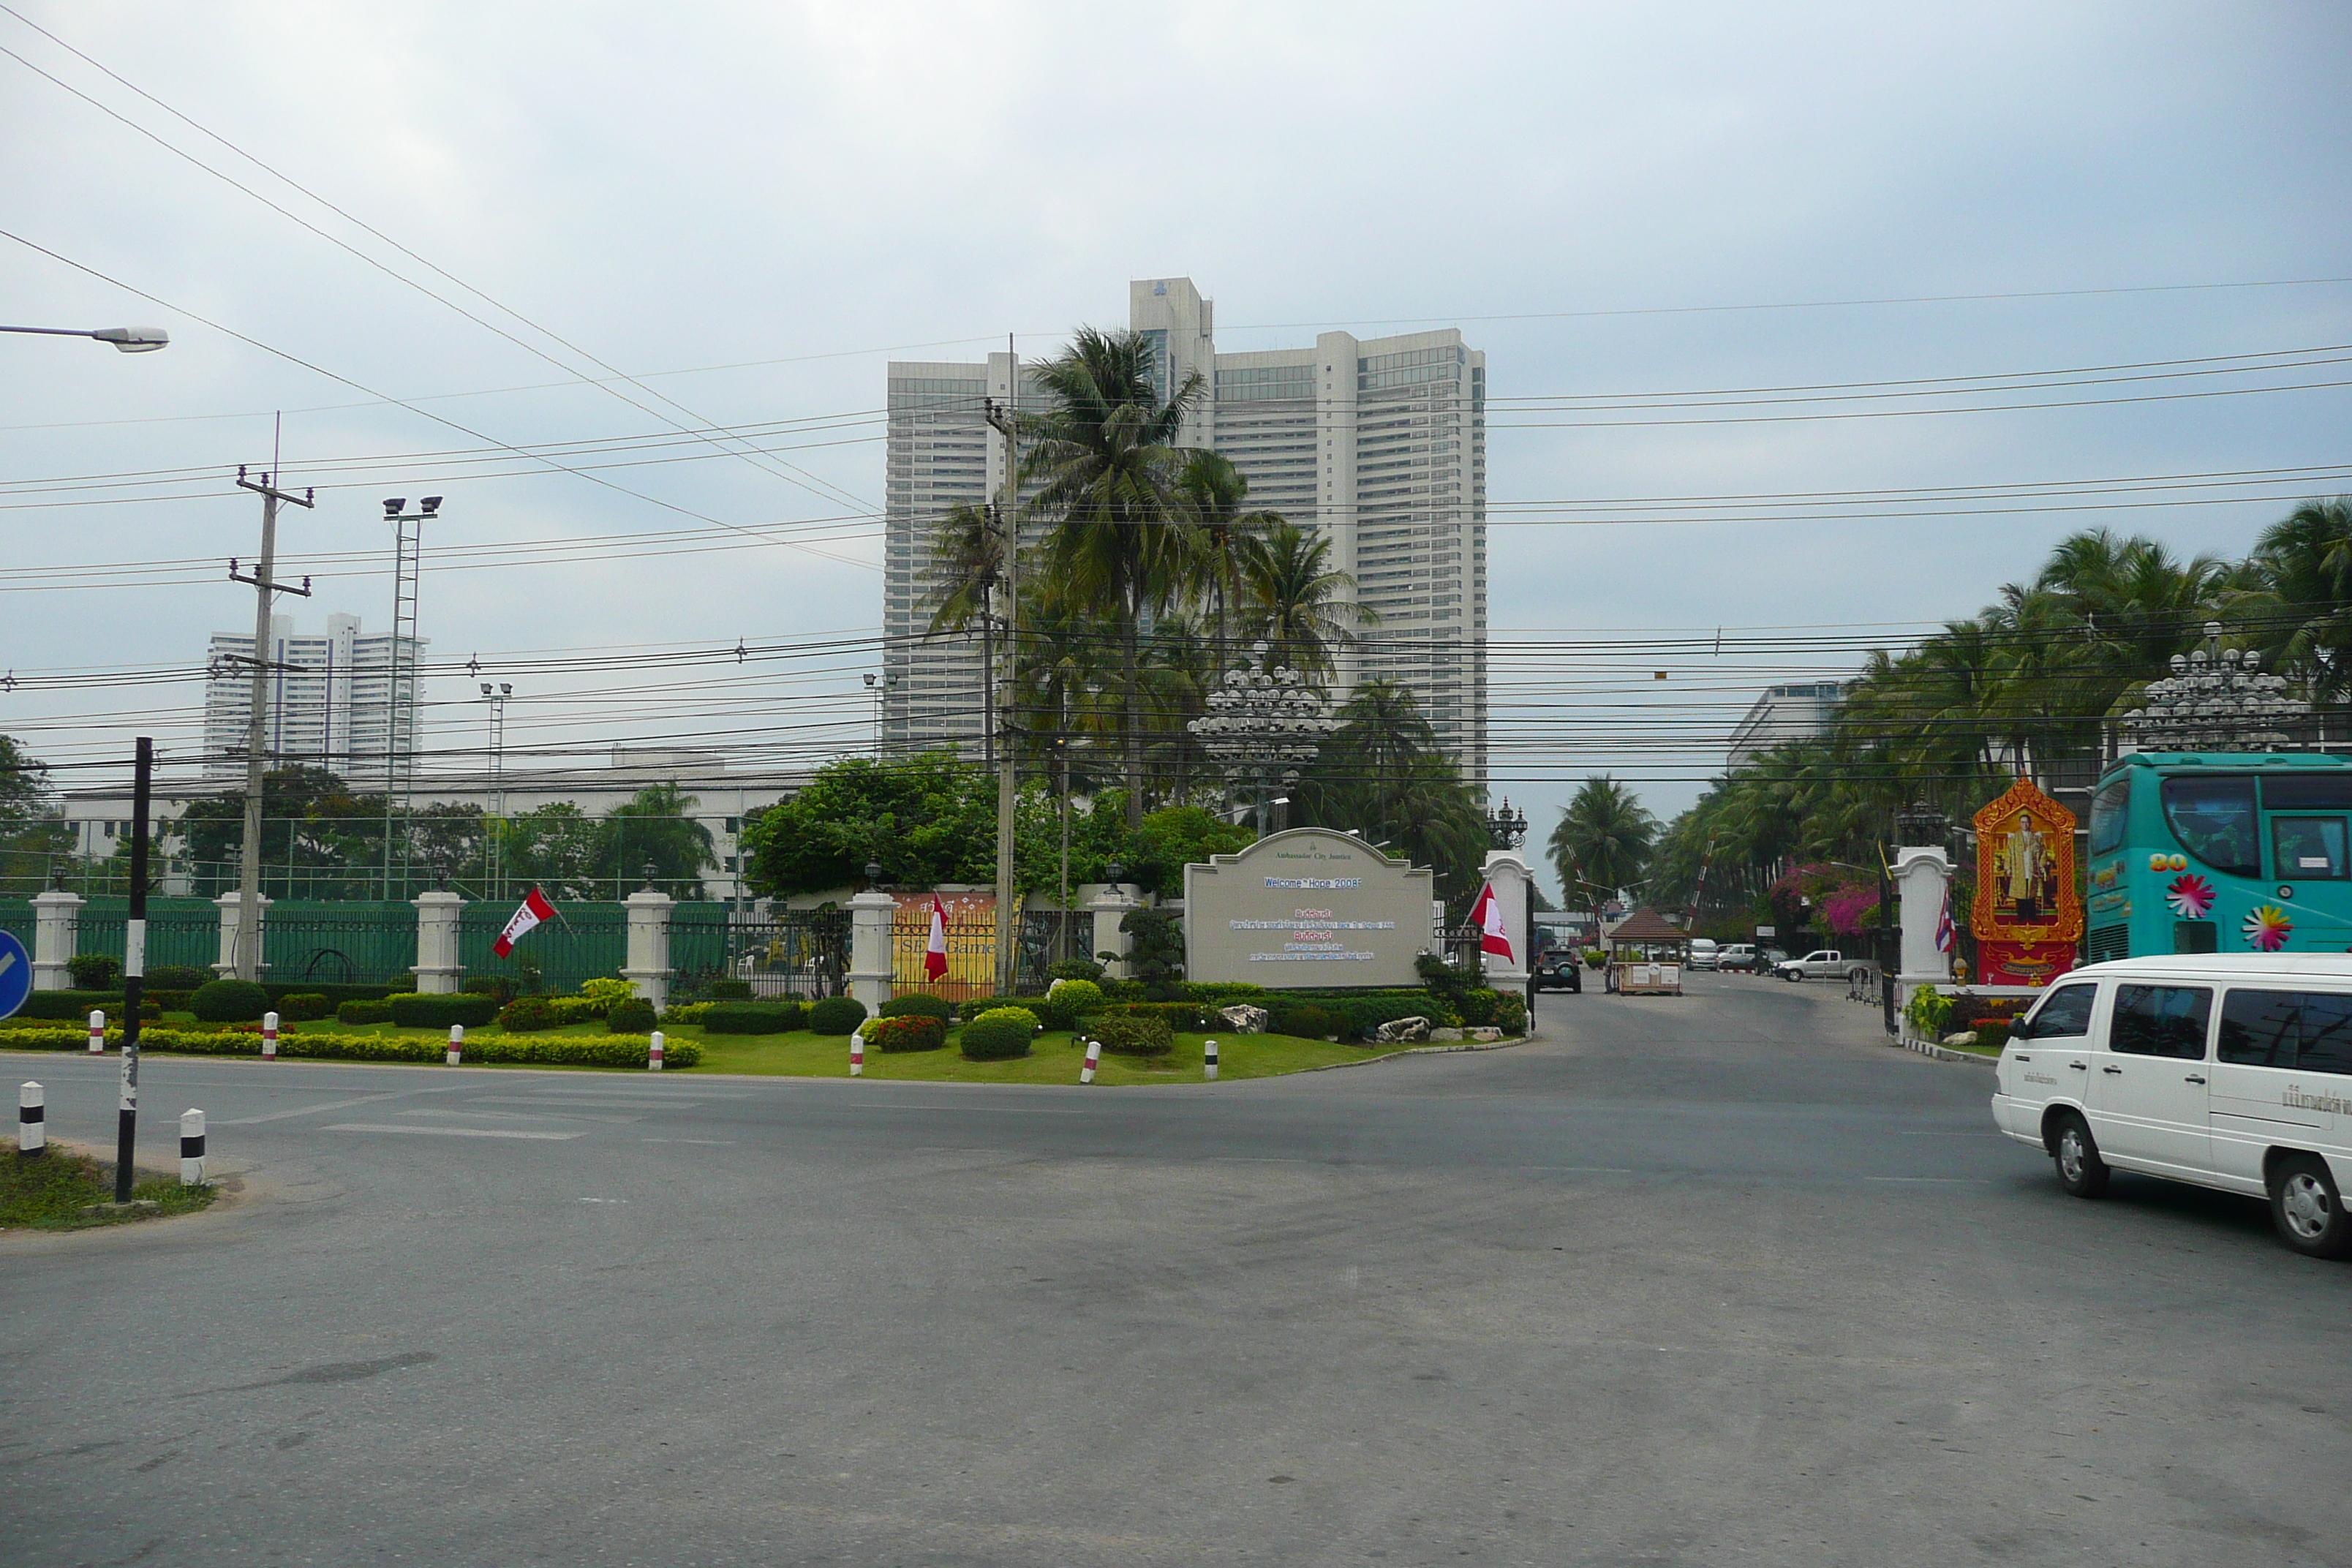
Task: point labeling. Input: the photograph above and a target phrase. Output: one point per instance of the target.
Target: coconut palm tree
(1103, 452)
(1222, 536)
(2296, 594)
(1297, 605)
(968, 557)
(1603, 836)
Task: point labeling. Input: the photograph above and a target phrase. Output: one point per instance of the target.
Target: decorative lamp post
(2216, 700)
(1262, 728)
(1507, 829)
(1921, 823)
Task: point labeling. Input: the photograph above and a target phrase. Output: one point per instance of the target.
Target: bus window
(2110, 809)
(2214, 820)
(2308, 848)
(2330, 791)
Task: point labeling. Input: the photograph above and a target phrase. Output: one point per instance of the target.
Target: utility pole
(1001, 416)
(248, 956)
(135, 972)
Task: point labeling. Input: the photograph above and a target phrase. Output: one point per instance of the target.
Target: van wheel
(2080, 1170)
(2307, 1209)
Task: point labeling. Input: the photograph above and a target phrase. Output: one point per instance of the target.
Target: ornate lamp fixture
(1262, 728)
(1507, 829)
(2214, 702)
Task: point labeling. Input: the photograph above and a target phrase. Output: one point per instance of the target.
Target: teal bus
(2220, 852)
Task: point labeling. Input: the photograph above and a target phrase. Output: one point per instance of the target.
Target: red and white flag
(1487, 914)
(935, 952)
(1946, 934)
(535, 912)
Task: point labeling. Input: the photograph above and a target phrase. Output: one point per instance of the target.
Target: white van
(2232, 1072)
(1704, 953)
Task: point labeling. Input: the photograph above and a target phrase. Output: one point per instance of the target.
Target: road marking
(615, 1103)
(1933, 1181)
(527, 1116)
(330, 1105)
(451, 1131)
(1905, 1133)
(707, 1143)
(1586, 1169)
(683, 1093)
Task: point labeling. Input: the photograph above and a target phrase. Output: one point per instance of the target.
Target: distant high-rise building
(1785, 713)
(331, 701)
(1377, 444)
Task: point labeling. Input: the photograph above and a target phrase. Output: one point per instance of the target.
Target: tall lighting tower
(494, 841)
(400, 709)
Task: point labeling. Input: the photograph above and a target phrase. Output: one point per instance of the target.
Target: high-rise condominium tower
(331, 701)
(1378, 444)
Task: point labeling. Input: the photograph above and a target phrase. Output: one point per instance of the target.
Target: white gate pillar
(648, 952)
(871, 915)
(57, 928)
(1506, 872)
(439, 969)
(1108, 908)
(1922, 877)
(231, 920)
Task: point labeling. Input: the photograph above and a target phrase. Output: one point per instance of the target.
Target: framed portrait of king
(2028, 911)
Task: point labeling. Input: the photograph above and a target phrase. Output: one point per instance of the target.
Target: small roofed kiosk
(1646, 955)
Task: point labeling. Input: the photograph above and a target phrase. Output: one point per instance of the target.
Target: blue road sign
(16, 973)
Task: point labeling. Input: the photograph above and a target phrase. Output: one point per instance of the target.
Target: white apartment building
(1785, 713)
(1378, 444)
(331, 701)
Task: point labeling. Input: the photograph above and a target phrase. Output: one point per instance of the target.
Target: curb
(1945, 1053)
(1447, 1049)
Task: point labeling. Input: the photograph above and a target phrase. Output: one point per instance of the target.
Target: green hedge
(1050, 1012)
(1133, 1034)
(228, 1001)
(1307, 1022)
(1180, 1015)
(523, 1016)
(999, 1034)
(561, 1050)
(907, 1032)
(421, 1012)
(1080, 997)
(303, 1007)
(359, 1012)
(176, 977)
(77, 1005)
(753, 1017)
(336, 994)
(730, 990)
(917, 1006)
(631, 1018)
(834, 1015)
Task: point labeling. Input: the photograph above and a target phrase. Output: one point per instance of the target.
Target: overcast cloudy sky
(798, 192)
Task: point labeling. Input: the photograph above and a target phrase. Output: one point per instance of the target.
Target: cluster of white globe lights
(2214, 702)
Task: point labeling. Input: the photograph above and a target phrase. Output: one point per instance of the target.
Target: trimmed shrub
(730, 991)
(523, 1016)
(998, 1034)
(497, 985)
(905, 1032)
(684, 1013)
(78, 1005)
(1134, 1034)
(176, 977)
(1478, 1005)
(1220, 993)
(1074, 969)
(631, 1018)
(303, 1007)
(1511, 1013)
(1080, 997)
(229, 1001)
(1124, 991)
(1047, 1011)
(363, 1012)
(1180, 1015)
(836, 1015)
(1308, 1023)
(607, 989)
(753, 1017)
(416, 1011)
(330, 990)
(919, 1005)
(563, 1050)
(96, 971)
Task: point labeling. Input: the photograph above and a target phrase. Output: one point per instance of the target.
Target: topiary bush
(176, 977)
(730, 991)
(1134, 1034)
(523, 1016)
(684, 1013)
(1049, 1012)
(303, 1007)
(607, 989)
(633, 1017)
(418, 1011)
(998, 1034)
(834, 1015)
(229, 1001)
(95, 971)
(1479, 1004)
(753, 1017)
(1074, 969)
(363, 1012)
(907, 1032)
(919, 1005)
(1080, 997)
(1307, 1023)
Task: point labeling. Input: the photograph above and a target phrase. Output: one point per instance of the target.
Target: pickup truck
(1824, 963)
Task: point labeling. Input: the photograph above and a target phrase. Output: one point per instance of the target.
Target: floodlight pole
(1001, 416)
(247, 955)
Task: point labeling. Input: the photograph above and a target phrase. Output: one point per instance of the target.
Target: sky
(748, 209)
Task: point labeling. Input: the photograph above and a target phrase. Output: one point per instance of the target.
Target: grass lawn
(49, 1192)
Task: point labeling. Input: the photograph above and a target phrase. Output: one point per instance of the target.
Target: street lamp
(1506, 828)
(494, 850)
(1263, 727)
(2216, 701)
(126, 340)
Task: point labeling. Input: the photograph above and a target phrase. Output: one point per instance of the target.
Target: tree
(1296, 604)
(1104, 455)
(925, 819)
(1211, 496)
(1381, 773)
(655, 829)
(32, 834)
(1603, 838)
(2296, 591)
(554, 848)
(968, 560)
(318, 839)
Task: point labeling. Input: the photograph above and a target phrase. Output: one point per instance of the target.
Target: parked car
(1559, 969)
(1824, 963)
(1738, 956)
(1704, 954)
(2232, 1072)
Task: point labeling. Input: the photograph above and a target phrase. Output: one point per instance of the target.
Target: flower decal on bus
(2267, 929)
(2190, 897)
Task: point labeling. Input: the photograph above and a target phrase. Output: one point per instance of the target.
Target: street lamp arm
(129, 339)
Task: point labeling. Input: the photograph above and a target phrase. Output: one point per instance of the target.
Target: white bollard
(192, 1148)
(32, 1119)
(654, 1053)
(456, 1043)
(1094, 1057)
(270, 1036)
(98, 1032)
(858, 1052)
(1209, 1059)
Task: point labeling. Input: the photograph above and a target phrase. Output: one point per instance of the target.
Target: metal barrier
(789, 952)
(353, 943)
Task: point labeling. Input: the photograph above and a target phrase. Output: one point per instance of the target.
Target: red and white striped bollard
(858, 1052)
(1094, 1056)
(654, 1053)
(98, 1032)
(270, 1036)
(456, 1043)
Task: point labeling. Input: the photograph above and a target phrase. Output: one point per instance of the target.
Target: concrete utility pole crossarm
(1008, 522)
(266, 588)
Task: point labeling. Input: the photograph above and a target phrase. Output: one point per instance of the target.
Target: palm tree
(1296, 604)
(1210, 493)
(968, 557)
(1381, 772)
(1603, 836)
(1103, 451)
(2297, 592)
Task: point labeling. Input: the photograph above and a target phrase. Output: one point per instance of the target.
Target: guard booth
(1646, 955)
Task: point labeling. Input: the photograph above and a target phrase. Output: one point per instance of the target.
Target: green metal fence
(584, 941)
(343, 942)
(179, 931)
(17, 920)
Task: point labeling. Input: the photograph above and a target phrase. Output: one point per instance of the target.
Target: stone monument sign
(1309, 907)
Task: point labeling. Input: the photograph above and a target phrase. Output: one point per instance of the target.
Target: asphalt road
(1711, 1280)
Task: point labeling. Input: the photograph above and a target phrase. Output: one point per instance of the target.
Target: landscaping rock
(1446, 1037)
(1965, 1038)
(1488, 1035)
(1247, 1019)
(1395, 1029)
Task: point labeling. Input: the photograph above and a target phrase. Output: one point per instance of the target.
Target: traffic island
(59, 1189)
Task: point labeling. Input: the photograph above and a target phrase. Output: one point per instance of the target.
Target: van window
(2258, 1028)
(2214, 820)
(2308, 848)
(2160, 1021)
(2065, 1012)
(2110, 808)
(2327, 1034)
